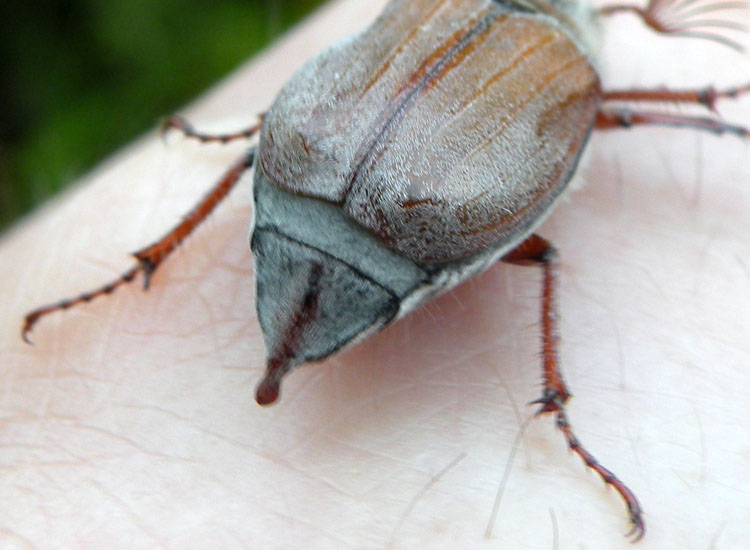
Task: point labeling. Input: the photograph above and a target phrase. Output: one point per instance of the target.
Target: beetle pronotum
(406, 160)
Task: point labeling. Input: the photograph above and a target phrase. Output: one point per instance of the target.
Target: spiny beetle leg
(708, 96)
(610, 118)
(537, 251)
(688, 19)
(152, 256)
(182, 125)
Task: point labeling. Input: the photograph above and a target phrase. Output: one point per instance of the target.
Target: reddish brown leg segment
(610, 118)
(180, 124)
(537, 251)
(708, 96)
(149, 258)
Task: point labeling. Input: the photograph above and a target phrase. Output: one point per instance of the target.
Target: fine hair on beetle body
(422, 151)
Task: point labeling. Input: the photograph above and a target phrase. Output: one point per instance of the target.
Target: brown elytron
(494, 100)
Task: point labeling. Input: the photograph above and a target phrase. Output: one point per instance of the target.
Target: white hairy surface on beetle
(131, 422)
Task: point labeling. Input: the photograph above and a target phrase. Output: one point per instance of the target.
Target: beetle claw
(638, 529)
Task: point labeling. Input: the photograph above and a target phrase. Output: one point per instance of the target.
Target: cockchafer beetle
(415, 155)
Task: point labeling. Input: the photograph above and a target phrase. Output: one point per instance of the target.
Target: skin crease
(131, 422)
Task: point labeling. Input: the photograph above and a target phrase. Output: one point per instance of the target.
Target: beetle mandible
(415, 155)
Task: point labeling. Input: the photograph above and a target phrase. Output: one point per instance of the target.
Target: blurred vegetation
(78, 78)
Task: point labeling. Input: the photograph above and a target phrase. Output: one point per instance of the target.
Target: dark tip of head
(267, 391)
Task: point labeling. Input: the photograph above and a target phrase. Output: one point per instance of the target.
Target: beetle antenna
(688, 18)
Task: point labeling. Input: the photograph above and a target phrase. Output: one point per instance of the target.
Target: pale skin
(131, 423)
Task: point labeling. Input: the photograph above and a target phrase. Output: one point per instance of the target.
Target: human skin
(131, 423)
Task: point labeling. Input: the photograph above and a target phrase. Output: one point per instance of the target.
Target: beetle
(415, 155)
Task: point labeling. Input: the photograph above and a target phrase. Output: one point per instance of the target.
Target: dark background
(79, 78)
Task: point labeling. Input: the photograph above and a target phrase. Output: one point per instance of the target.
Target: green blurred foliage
(78, 78)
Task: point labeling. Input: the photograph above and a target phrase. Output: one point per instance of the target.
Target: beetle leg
(687, 18)
(182, 125)
(624, 117)
(708, 96)
(537, 251)
(150, 257)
